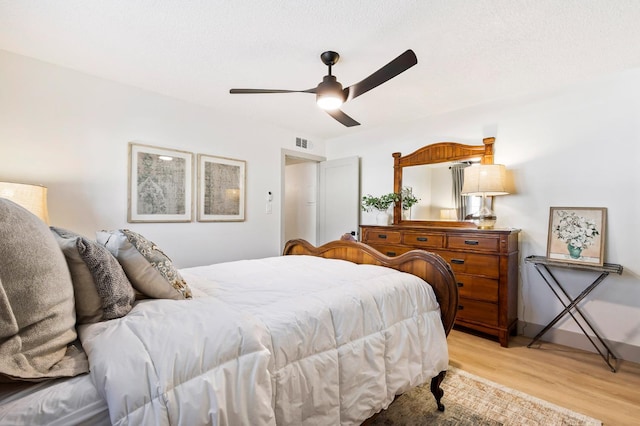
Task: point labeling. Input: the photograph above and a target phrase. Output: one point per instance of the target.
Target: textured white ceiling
(469, 51)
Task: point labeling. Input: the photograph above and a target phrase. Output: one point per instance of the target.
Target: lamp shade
(31, 197)
(484, 179)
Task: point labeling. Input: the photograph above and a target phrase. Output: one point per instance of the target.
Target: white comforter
(290, 340)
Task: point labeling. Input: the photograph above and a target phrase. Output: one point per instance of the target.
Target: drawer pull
(457, 261)
(423, 239)
(382, 236)
(471, 242)
(460, 284)
(460, 307)
(391, 253)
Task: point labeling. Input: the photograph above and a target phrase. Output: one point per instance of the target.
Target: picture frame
(577, 235)
(160, 184)
(221, 189)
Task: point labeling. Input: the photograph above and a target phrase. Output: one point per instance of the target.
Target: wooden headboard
(429, 266)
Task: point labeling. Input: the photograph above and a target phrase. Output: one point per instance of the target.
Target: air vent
(302, 143)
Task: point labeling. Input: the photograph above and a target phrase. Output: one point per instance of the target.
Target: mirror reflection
(432, 184)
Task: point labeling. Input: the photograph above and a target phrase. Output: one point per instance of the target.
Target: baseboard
(621, 350)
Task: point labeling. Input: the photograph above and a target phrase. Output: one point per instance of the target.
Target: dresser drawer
(477, 288)
(381, 236)
(390, 250)
(423, 239)
(472, 263)
(474, 242)
(476, 311)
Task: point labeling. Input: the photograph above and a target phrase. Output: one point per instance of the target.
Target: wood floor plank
(568, 377)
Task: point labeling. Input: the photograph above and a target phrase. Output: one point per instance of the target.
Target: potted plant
(408, 200)
(380, 204)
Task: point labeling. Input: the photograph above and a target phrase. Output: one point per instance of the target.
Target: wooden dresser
(484, 261)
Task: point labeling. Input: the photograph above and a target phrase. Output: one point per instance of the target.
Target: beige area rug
(471, 400)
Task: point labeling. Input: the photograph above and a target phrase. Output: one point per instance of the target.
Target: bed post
(436, 390)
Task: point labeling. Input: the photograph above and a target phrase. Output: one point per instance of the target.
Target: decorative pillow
(101, 288)
(37, 316)
(148, 268)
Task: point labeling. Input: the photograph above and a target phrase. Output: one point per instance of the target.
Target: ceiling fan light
(329, 101)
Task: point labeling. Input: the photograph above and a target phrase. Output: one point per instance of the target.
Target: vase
(382, 218)
(574, 252)
(406, 214)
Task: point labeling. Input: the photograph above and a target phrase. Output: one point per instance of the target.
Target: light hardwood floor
(571, 378)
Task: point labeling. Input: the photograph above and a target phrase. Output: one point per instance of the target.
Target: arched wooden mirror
(427, 172)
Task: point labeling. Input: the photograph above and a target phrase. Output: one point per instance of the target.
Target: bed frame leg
(436, 390)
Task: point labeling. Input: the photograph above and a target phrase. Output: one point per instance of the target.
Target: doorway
(299, 208)
(320, 199)
(300, 199)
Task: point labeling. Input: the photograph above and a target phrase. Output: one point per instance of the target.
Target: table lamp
(485, 180)
(31, 197)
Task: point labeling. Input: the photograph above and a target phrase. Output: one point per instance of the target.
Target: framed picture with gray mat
(160, 184)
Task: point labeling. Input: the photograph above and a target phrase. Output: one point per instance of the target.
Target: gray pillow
(37, 316)
(150, 270)
(102, 290)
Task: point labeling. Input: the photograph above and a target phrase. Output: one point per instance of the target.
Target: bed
(326, 335)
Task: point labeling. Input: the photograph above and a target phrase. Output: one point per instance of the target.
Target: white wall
(69, 131)
(575, 147)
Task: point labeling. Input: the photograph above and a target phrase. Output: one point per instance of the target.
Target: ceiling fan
(329, 93)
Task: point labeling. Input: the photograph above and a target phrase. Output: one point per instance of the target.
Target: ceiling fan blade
(255, 91)
(386, 73)
(342, 118)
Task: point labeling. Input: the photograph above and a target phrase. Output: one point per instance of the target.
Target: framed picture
(576, 234)
(160, 184)
(221, 189)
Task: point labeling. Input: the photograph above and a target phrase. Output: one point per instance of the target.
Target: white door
(339, 199)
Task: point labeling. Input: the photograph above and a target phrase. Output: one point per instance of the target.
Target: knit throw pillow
(150, 271)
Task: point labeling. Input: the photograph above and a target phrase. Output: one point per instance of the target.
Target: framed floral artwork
(221, 189)
(160, 185)
(576, 234)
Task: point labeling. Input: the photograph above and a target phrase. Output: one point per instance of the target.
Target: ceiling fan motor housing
(328, 85)
(329, 94)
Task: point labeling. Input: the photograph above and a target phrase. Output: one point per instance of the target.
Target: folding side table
(542, 265)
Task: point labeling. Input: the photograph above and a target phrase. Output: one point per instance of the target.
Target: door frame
(284, 153)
